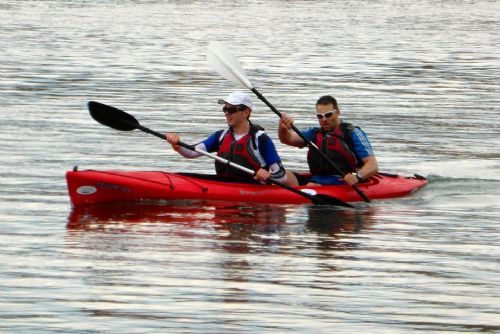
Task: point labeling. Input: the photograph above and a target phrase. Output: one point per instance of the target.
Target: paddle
(224, 63)
(120, 120)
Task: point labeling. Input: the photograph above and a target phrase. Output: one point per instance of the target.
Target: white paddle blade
(224, 63)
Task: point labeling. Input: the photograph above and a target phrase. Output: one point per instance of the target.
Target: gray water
(421, 78)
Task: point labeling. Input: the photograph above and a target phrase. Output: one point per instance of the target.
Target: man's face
(235, 115)
(327, 116)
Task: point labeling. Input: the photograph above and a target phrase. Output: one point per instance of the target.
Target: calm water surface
(421, 78)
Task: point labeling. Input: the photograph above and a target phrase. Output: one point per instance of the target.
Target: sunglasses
(233, 109)
(326, 115)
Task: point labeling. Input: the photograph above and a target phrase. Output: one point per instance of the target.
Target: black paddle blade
(112, 117)
(329, 200)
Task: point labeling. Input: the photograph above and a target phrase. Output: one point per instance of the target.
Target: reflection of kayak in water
(231, 228)
(92, 186)
(212, 212)
(92, 216)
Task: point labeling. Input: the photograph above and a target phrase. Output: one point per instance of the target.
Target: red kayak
(106, 186)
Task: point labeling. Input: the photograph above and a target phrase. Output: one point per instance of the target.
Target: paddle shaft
(309, 143)
(314, 199)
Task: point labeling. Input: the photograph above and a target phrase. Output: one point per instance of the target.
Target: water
(421, 78)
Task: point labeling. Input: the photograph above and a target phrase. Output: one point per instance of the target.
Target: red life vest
(240, 152)
(337, 146)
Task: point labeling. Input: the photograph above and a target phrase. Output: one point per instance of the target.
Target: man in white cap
(242, 142)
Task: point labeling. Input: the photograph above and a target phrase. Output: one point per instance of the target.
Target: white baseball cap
(238, 98)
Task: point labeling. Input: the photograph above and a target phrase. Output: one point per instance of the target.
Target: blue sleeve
(362, 146)
(309, 134)
(212, 142)
(268, 150)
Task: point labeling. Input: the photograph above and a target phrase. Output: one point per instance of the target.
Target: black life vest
(338, 146)
(242, 152)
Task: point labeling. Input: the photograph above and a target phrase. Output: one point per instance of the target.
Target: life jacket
(242, 152)
(338, 146)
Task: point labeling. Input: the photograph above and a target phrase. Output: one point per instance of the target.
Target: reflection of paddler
(243, 223)
(334, 220)
(250, 214)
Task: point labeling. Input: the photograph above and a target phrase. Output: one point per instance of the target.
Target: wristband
(358, 176)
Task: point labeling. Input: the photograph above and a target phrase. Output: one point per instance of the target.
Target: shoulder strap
(347, 129)
(220, 137)
(254, 128)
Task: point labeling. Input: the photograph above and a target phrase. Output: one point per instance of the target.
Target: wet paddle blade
(223, 62)
(112, 117)
(316, 199)
(329, 200)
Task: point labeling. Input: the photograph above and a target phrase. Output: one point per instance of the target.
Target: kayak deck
(104, 186)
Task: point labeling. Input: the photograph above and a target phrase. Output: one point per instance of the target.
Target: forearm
(369, 168)
(187, 153)
(284, 135)
(290, 138)
(277, 172)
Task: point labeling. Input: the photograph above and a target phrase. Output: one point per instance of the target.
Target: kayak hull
(105, 186)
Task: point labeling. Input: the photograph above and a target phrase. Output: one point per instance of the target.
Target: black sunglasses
(233, 109)
(326, 115)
